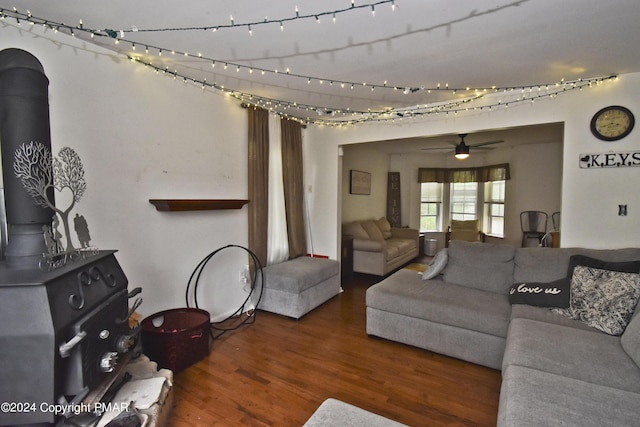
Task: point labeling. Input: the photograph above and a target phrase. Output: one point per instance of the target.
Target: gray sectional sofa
(567, 357)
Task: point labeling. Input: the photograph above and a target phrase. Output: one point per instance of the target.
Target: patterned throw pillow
(603, 299)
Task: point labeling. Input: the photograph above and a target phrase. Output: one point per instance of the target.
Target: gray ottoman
(295, 287)
(334, 412)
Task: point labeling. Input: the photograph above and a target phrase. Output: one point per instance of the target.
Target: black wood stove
(61, 331)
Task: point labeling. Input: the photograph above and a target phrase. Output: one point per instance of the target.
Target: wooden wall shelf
(175, 205)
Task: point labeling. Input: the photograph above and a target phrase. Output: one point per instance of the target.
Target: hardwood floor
(277, 371)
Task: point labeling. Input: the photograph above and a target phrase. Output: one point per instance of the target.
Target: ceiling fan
(462, 149)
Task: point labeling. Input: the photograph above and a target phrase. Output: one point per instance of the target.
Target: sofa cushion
(372, 230)
(603, 299)
(406, 293)
(391, 252)
(528, 261)
(299, 274)
(437, 265)
(585, 355)
(556, 261)
(630, 339)
(533, 398)
(385, 227)
(479, 265)
(403, 245)
(368, 245)
(354, 229)
(522, 311)
(554, 294)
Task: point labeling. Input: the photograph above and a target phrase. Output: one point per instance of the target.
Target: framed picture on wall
(359, 182)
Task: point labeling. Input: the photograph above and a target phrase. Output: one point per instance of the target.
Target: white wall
(590, 198)
(143, 136)
(358, 206)
(321, 166)
(536, 184)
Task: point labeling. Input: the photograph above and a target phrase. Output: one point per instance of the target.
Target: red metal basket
(177, 338)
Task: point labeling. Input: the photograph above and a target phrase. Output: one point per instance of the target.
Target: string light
(346, 116)
(350, 117)
(279, 21)
(114, 34)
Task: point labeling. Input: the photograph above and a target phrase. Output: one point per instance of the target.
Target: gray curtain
(292, 172)
(258, 165)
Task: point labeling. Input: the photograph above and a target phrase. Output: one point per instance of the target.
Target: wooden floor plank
(277, 371)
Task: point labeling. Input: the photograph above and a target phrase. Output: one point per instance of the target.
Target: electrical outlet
(244, 275)
(245, 279)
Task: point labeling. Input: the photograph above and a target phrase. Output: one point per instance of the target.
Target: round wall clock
(612, 123)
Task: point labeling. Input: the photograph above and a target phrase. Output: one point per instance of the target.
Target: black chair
(534, 226)
(555, 218)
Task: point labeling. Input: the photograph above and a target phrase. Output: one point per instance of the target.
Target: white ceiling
(421, 44)
(495, 139)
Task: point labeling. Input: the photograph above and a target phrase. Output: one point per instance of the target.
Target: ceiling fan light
(462, 151)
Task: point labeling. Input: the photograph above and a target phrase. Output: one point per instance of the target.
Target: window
(430, 206)
(464, 200)
(494, 208)
(459, 194)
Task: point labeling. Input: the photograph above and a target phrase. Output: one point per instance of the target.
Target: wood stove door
(105, 334)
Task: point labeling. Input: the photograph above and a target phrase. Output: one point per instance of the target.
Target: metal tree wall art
(39, 171)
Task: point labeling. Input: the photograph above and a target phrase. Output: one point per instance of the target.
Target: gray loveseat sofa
(379, 248)
(490, 306)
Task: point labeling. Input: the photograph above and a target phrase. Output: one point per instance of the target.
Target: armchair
(468, 231)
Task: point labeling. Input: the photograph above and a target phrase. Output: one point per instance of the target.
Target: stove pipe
(24, 117)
